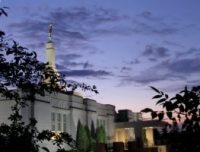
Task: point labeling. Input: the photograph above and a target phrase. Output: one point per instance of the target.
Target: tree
(89, 137)
(182, 131)
(101, 135)
(20, 69)
(93, 134)
(82, 140)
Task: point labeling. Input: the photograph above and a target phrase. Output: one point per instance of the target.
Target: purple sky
(121, 46)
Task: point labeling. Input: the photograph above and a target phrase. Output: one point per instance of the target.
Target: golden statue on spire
(50, 29)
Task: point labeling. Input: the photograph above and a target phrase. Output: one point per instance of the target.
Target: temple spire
(50, 30)
(50, 51)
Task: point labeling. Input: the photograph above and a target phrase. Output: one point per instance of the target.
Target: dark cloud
(173, 70)
(86, 73)
(158, 29)
(67, 62)
(87, 65)
(155, 52)
(70, 60)
(149, 16)
(134, 61)
(191, 51)
(149, 77)
(73, 28)
(70, 57)
(73, 64)
(71, 21)
(83, 69)
(72, 34)
(82, 15)
(36, 31)
(153, 59)
(174, 44)
(89, 22)
(182, 66)
(148, 23)
(60, 67)
(194, 82)
(125, 69)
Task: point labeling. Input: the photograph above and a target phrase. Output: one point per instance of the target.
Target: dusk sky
(121, 46)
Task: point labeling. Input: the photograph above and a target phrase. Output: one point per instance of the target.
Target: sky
(121, 46)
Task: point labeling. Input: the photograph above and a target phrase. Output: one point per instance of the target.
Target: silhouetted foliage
(182, 131)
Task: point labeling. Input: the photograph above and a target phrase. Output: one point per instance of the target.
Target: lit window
(55, 135)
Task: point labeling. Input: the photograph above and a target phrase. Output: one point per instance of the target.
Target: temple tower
(50, 51)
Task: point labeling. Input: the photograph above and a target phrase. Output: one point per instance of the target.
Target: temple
(62, 112)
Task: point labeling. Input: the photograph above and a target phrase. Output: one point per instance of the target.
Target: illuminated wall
(124, 135)
(148, 136)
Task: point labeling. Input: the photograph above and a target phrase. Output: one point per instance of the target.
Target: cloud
(73, 28)
(90, 17)
(134, 61)
(174, 44)
(153, 59)
(166, 66)
(148, 23)
(67, 62)
(182, 66)
(173, 70)
(149, 16)
(73, 64)
(60, 67)
(87, 65)
(75, 22)
(125, 69)
(86, 73)
(148, 77)
(70, 57)
(158, 29)
(70, 61)
(155, 52)
(191, 52)
(89, 22)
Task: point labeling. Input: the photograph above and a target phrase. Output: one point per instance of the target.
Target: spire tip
(50, 29)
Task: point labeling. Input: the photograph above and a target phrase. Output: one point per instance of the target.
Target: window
(53, 127)
(101, 122)
(104, 123)
(58, 121)
(64, 122)
(98, 123)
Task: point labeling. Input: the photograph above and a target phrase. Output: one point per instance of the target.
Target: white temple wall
(42, 113)
(5, 110)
